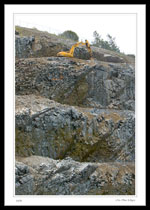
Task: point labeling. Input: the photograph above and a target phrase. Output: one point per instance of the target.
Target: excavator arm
(71, 52)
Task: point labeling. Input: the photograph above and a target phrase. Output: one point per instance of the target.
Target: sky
(121, 26)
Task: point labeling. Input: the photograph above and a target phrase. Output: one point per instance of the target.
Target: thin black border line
(14, 107)
(135, 67)
(21, 196)
(75, 13)
(77, 4)
(135, 111)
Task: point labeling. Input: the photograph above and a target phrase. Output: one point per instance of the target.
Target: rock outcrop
(35, 43)
(77, 82)
(74, 119)
(44, 176)
(47, 128)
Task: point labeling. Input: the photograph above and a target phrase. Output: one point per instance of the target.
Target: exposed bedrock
(47, 128)
(74, 118)
(36, 175)
(77, 82)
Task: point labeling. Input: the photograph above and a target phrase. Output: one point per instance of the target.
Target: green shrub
(69, 35)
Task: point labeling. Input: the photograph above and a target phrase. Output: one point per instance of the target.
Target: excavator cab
(88, 46)
(71, 52)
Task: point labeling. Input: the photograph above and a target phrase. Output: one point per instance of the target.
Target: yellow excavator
(71, 51)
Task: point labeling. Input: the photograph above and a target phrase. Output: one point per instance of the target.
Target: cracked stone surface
(74, 118)
(69, 177)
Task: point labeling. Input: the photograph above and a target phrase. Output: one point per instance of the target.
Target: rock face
(23, 46)
(74, 119)
(23, 179)
(43, 44)
(47, 128)
(76, 82)
(67, 177)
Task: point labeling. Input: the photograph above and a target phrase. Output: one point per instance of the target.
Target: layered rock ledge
(36, 175)
(34, 43)
(77, 82)
(74, 118)
(47, 128)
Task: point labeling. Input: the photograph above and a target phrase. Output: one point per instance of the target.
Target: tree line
(109, 44)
